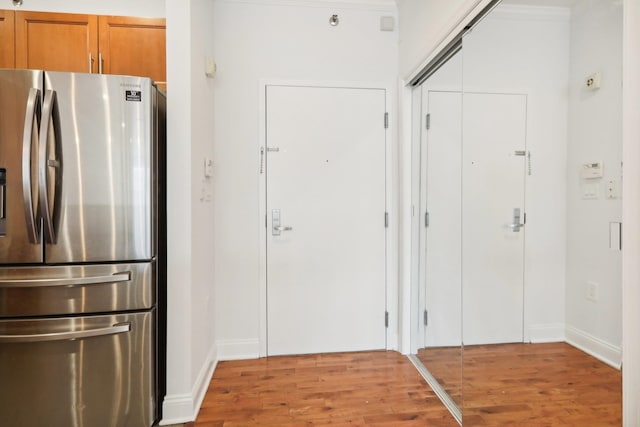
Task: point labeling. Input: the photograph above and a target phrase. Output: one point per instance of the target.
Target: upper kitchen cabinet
(84, 43)
(56, 41)
(133, 46)
(7, 41)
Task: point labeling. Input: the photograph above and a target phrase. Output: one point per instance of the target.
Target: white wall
(256, 40)
(191, 352)
(179, 400)
(595, 134)
(142, 8)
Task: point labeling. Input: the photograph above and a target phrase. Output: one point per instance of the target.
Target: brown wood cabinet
(86, 43)
(134, 46)
(7, 39)
(56, 41)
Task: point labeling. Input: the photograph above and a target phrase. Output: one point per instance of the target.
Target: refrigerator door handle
(68, 281)
(49, 135)
(29, 137)
(67, 335)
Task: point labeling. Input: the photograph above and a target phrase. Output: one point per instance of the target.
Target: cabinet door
(7, 41)
(56, 41)
(134, 46)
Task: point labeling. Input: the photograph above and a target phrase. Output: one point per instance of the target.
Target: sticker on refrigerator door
(133, 95)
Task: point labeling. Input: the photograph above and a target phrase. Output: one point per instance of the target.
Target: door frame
(391, 182)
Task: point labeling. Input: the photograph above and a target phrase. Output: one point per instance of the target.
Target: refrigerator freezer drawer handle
(71, 281)
(3, 187)
(70, 335)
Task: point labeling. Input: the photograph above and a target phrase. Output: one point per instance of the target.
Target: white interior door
(494, 162)
(326, 232)
(442, 244)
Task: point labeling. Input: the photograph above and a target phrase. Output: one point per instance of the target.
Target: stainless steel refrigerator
(80, 212)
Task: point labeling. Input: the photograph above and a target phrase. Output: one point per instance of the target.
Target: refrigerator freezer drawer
(63, 290)
(103, 377)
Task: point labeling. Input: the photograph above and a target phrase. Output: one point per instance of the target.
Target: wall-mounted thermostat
(592, 170)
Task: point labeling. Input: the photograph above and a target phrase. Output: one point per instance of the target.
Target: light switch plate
(210, 67)
(208, 167)
(590, 191)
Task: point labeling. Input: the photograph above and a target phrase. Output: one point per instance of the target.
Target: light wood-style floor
(445, 365)
(530, 385)
(344, 389)
(539, 385)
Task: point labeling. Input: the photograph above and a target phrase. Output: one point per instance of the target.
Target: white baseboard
(550, 332)
(250, 349)
(601, 350)
(238, 349)
(184, 408)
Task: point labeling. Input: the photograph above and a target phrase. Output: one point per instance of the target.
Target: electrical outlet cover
(593, 81)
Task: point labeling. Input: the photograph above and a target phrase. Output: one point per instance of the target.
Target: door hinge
(426, 219)
(428, 121)
(426, 318)
(386, 319)
(386, 220)
(524, 218)
(265, 221)
(386, 120)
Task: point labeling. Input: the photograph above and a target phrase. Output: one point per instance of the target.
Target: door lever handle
(516, 225)
(276, 228)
